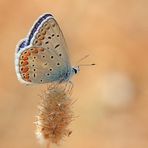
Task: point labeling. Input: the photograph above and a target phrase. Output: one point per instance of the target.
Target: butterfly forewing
(37, 65)
(50, 37)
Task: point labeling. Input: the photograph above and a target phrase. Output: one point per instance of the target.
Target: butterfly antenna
(86, 65)
(82, 59)
(80, 65)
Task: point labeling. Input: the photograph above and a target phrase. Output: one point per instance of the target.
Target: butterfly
(42, 57)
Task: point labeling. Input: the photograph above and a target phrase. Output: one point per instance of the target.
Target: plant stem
(48, 144)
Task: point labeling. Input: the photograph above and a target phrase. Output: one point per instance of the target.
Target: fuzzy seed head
(54, 114)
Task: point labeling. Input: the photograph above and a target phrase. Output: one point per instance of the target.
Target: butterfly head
(75, 70)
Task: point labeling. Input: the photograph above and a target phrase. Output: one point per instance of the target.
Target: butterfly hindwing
(37, 65)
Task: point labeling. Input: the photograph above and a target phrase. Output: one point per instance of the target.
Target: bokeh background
(112, 97)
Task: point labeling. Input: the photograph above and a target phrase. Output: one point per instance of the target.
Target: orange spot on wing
(34, 50)
(27, 73)
(24, 69)
(25, 58)
(25, 63)
(41, 49)
(26, 77)
(41, 37)
(28, 54)
(39, 43)
(47, 27)
(43, 32)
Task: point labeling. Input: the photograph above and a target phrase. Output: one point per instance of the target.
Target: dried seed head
(54, 114)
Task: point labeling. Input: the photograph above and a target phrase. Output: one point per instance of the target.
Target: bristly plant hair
(54, 114)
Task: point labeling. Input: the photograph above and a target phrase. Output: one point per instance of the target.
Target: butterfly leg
(69, 87)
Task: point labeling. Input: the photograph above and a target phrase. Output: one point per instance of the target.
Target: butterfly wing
(42, 57)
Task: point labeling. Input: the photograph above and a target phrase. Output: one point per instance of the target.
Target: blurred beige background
(112, 103)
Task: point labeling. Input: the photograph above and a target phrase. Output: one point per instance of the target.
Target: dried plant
(54, 114)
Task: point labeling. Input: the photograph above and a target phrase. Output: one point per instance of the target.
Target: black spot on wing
(57, 45)
(46, 42)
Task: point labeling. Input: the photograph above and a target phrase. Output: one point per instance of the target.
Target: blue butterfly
(42, 57)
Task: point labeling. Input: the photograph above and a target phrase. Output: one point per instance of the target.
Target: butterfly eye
(57, 35)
